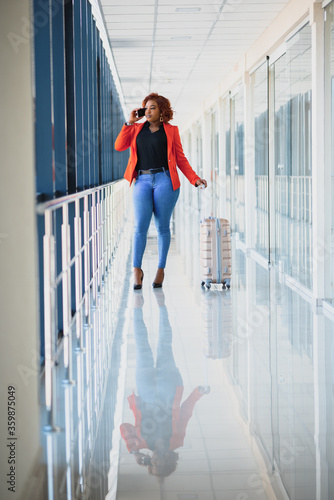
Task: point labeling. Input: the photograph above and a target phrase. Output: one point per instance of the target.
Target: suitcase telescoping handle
(202, 197)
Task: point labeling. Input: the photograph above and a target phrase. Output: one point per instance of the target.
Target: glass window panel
(329, 65)
(227, 144)
(215, 163)
(293, 158)
(259, 86)
(239, 169)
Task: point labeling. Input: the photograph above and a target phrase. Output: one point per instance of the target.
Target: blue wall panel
(85, 83)
(70, 99)
(59, 109)
(78, 84)
(95, 54)
(43, 134)
(90, 91)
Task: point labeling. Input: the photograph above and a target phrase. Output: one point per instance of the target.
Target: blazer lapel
(169, 133)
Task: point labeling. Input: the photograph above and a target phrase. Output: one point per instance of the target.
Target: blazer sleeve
(124, 138)
(181, 160)
(181, 421)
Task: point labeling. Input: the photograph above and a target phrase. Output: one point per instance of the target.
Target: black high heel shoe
(158, 285)
(139, 287)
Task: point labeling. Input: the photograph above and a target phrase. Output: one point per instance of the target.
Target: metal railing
(294, 196)
(96, 225)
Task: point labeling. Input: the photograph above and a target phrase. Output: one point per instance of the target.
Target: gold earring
(161, 119)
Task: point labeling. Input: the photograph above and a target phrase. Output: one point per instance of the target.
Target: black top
(157, 423)
(151, 148)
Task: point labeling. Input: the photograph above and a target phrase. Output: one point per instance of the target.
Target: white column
(247, 332)
(193, 149)
(320, 181)
(320, 406)
(195, 203)
(206, 133)
(328, 159)
(19, 355)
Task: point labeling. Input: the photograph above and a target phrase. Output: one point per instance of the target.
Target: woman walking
(155, 152)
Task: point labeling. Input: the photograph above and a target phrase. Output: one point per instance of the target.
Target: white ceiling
(157, 47)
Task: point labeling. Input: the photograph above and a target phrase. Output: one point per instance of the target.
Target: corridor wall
(19, 325)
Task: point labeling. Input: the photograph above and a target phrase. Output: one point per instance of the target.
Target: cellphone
(141, 112)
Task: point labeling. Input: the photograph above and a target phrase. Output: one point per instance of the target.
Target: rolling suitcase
(215, 252)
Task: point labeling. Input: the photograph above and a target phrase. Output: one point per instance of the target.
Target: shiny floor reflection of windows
(208, 394)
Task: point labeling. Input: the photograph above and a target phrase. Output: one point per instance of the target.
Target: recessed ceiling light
(187, 9)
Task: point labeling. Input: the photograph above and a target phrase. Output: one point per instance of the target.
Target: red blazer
(127, 139)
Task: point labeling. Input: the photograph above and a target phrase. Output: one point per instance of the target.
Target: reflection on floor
(209, 394)
(183, 435)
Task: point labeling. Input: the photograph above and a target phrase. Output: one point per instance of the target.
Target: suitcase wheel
(227, 284)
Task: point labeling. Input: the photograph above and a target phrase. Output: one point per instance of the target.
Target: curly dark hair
(163, 104)
(166, 466)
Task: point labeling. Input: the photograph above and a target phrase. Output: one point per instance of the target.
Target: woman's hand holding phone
(136, 115)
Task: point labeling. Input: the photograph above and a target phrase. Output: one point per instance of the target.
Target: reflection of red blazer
(180, 418)
(127, 139)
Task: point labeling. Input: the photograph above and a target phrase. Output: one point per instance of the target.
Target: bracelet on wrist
(128, 124)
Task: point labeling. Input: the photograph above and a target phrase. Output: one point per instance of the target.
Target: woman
(155, 151)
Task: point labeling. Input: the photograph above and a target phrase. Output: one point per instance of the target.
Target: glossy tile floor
(211, 394)
(181, 414)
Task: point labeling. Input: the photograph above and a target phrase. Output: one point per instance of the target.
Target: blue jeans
(159, 382)
(156, 385)
(153, 194)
